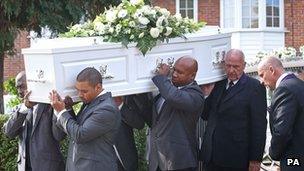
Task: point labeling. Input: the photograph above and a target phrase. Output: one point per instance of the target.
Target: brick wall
(208, 10)
(294, 17)
(14, 63)
(169, 4)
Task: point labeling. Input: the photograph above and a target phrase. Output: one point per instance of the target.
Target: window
(272, 13)
(228, 11)
(250, 14)
(187, 8)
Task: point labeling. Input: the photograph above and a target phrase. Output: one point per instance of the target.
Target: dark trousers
(187, 169)
(214, 167)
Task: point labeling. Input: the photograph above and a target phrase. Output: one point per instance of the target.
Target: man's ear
(193, 76)
(98, 87)
(271, 69)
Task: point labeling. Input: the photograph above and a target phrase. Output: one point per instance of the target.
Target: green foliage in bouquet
(133, 21)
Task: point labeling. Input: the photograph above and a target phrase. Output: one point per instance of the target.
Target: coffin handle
(103, 71)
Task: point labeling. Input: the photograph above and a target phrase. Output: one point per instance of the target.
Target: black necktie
(230, 84)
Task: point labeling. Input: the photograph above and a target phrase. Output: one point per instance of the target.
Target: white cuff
(23, 109)
(58, 114)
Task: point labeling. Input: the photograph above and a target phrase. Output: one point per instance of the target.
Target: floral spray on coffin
(134, 22)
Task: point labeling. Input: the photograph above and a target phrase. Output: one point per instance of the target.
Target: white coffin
(55, 63)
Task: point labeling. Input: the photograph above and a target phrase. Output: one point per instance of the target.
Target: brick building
(14, 63)
(255, 24)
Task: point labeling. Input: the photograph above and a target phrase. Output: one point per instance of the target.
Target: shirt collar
(234, 82)
(280, 79)
(120, 106)
(185, 85)
(101, 93)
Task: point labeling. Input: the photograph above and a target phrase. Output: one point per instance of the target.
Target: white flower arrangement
(133, 21)
(301, 50)
(284, 54)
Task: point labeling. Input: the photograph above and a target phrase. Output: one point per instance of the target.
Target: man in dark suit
(131, 109)
(175, 115)
(39, 136)
(286, 114)
(235, 135)
(92, 132)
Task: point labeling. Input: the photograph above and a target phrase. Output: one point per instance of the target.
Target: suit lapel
(222, 89)
(37, 115)
(155, 114)
(85, 113)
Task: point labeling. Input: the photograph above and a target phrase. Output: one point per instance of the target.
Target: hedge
(9, 148)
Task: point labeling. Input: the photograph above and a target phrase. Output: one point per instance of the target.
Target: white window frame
(262, 17)
(234, 13)
(195, 8)
(250, 14)
(272, 16)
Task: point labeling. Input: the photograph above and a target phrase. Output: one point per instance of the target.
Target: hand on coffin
(26, 100)
(56, 101)
(164, 69)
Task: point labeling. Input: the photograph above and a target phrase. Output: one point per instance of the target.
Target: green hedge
(9, 148)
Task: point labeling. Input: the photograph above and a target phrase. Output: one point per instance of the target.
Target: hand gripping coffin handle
(219, 58)
(160, 61)
(103, 71)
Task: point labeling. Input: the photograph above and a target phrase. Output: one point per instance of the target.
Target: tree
(35, 14)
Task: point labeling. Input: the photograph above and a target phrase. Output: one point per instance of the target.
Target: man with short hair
(92, 132)
(286, 114)
(175, 115)
(235, 135)
(39, 136)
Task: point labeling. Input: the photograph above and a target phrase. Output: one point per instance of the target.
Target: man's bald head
(21, 76)
(189, 62)
(269, 70)
(185, 69)
(235, 53)
(20, 82)
(234, 64)
(271, 61)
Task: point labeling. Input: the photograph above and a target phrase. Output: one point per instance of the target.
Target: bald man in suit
(286, 114)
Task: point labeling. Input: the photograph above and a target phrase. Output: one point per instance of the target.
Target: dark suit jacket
(236, 128)
(287, 123)
(92, 135)
(173, 132)
(44, 140)
(131, 113)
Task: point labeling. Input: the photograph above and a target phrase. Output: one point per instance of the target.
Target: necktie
(230, 84)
